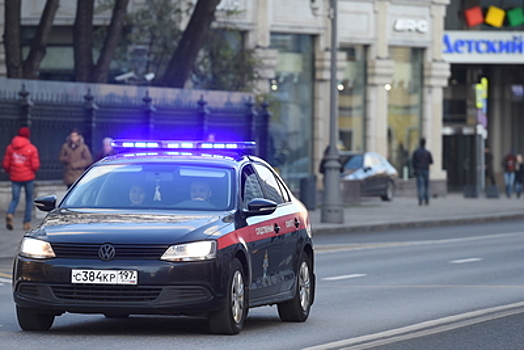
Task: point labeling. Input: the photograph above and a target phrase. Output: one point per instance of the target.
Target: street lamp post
(332, 211)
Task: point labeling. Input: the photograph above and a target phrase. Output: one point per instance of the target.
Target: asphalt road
(431, 288)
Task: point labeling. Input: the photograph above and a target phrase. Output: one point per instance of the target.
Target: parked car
(181, 228)
(376, 175)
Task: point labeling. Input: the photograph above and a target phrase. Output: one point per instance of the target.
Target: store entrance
(462, 155)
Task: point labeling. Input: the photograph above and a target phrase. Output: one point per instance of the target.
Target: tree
(28, 68)
(184, 58)
(85, 68)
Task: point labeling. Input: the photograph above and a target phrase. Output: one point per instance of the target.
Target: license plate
(128, 277)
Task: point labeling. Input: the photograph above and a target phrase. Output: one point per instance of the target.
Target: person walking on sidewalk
(509, 163)
(20, 162)
(75, 156)
(421, 161)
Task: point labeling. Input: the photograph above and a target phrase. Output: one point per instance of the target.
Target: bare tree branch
(112, 38)
(83, 40)
(184, 58)
(13, 51)
(37, 52)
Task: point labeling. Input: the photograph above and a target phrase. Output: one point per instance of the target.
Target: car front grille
(113, 294)
(123, 251)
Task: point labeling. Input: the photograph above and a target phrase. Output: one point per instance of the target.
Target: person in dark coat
(519, 174)
(20, 162)
(75, 156)
(488, 166)
(421, 161)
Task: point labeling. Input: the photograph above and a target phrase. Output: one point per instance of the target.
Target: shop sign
(411, 25)
(483, 47)
(229, 5)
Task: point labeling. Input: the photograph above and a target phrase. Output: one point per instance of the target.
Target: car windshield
(354, 162)
(153, 186)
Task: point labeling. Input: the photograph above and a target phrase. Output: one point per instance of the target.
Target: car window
(168, 186)
(270, 186)
(354, 162)
(251, 188)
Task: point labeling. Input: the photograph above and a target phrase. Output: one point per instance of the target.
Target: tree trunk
(83, 40)
(184, 57)
(112, 38)
(13, 51)
(37, 52)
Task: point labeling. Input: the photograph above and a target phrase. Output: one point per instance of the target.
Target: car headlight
(36, 249)
(196, 251)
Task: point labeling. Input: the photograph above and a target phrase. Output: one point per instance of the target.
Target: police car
(171, 228)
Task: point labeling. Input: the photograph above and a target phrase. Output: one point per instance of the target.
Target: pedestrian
(489, 173)
(421, 161)
(21, 161)
(107, 149)
(519, 174)
(509, 164)
(75, 156)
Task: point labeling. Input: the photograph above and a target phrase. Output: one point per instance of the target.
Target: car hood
(77, 226)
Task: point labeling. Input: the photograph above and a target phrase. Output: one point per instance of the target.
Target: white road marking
(422, 329)
(344, 277)
(464, 261)
(4, 280)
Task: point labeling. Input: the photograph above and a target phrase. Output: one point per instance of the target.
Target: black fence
(52, 110)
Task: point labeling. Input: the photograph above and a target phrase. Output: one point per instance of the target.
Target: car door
(261, 233)
(285, 222)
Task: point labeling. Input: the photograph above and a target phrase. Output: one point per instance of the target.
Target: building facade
(484, 44)
(391, 74)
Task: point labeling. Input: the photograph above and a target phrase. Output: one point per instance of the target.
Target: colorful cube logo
(515, 17)
(495, 16)
(474, 16)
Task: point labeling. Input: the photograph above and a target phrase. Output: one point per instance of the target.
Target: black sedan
(375, 174)
(183, 228)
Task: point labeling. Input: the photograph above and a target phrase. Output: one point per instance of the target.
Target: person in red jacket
(21, 161)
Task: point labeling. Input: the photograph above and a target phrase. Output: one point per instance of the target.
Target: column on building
(436, 74)
(380, 73)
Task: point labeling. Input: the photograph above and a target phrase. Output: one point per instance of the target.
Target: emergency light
(183, 145)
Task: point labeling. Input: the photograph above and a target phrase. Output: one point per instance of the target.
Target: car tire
(230, 319)
(34, 320)
(297, 309)
(388, 195)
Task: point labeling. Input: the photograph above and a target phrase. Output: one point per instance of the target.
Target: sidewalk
(370, 214)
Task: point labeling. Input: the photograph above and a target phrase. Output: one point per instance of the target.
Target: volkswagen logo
(106, 252)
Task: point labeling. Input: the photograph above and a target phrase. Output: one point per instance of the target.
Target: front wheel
(34, 320)
(388, 194)
(230, 319)
(297, 309)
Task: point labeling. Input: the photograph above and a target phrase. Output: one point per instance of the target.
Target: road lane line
(423, 328)
(464, 261)
(344, 277)
(5, 280)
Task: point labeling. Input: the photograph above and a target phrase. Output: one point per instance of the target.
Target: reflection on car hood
(87, 226)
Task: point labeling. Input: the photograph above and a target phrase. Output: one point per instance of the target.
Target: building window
(404, 105)
(351, 100)
(292, 107)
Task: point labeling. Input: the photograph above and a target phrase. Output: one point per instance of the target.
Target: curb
(414, 224)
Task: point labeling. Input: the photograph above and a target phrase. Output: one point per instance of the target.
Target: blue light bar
(183, 145)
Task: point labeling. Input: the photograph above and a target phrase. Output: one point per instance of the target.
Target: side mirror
(260, 206)
(46, 203)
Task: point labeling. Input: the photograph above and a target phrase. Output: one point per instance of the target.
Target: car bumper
(191, 288)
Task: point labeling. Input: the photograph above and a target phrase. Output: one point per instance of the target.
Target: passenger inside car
(137, 195)
(200, 193)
